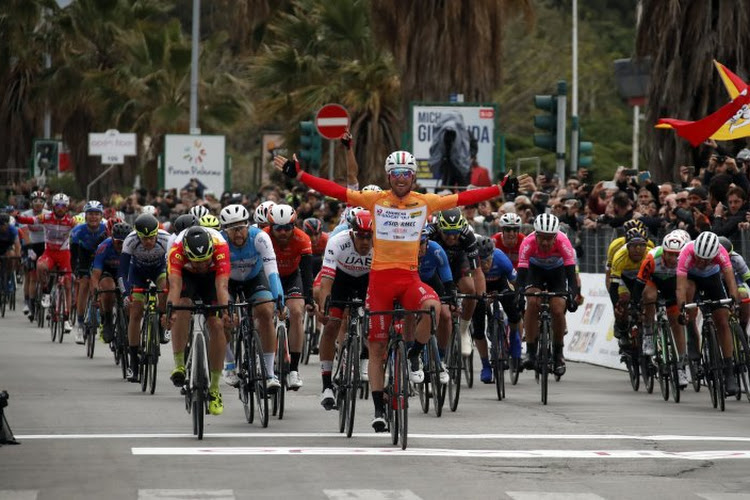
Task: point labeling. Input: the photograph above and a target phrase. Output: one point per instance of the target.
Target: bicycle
(665, 359)
(149, 346)
(713, 372)
(196, 366)
(431, 387)
(741, 356)
(251, 366)
(467, 361)
(312, 336)
(544, 360)
(91, 324)
(58, 305)
(397, 373)
(282, 363)
(453, 360)
(7, 284)
(119, 344)
(499, 336)
(346, 375)
(631, 354)
(40, 313)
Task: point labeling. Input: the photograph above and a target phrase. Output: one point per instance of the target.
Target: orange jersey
(398, 223)
(288, 258)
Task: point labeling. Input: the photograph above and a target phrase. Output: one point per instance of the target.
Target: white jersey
(340, 254)
(35, 231)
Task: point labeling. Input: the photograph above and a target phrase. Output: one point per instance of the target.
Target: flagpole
(574, 130)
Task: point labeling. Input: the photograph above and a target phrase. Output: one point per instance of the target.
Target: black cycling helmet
(183, 222)
(121, 230)
(485, 246)
(4, 219)
(146, 226)
(312, 226)
(451, 220)
(198, 244)
(726, 243)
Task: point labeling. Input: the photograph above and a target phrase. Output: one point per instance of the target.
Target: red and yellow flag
(731, 121)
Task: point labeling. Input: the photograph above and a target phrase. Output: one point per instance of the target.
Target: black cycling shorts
(667, 288)
(460, 266)
(255, 289)
(83, 264)
(347, 287)
(550, 280)
(38, 249)
(710, 287)
(292, 284)
(199, 286)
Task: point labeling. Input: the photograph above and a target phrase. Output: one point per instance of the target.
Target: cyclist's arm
(307, 277)
(352, 168)
(326, 283)
(731, 283)
(123, 271)
(96, 275)
(222, 289)
(175, 287)
(264, 247)
(17, 246)
(25, 219)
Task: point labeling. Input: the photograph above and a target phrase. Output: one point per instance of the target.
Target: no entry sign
(332, 121)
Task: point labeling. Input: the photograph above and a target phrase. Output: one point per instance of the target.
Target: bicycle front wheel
(402, 391)
(543, 357)
(199, 387)
(258, 376)
(453, 356)
(673, 364)
(282, 370)
(352, 384)
(438, 389)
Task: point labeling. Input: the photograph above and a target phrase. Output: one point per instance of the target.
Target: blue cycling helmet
(94, 206)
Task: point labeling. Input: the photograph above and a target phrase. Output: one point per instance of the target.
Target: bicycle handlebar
(342, 304)
(708, 303)
(197, 308)
(545, 294)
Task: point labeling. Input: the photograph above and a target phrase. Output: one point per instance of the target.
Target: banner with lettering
(479, 119)
(202, 157)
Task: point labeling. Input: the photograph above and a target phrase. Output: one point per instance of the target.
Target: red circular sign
(332, 121)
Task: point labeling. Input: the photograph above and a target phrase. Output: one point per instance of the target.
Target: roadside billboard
(202, 157)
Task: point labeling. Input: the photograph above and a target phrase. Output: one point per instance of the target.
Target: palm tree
(682, 38)
(444, 47)
(324, 52)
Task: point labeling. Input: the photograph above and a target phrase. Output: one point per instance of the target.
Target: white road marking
(19, 494)
(165, 494)
(473, 437)
(546, 495)
(439, 452)
(371, 495)
(724, 496)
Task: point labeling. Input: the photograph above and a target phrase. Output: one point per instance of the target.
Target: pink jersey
(56, 230)
(561, 254)
(686, 263)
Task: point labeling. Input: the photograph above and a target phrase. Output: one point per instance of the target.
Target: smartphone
(644, 176)
(610, 185)
(630, 172)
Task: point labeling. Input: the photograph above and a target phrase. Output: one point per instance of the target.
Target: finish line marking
(262, 435)
(437, 452)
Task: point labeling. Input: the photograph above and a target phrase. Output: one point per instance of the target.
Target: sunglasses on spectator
(283, 227)
(364, 235)
(402, 173)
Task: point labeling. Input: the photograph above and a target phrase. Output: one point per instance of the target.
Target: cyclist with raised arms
(625, 267)
(500, 277)
(104, 275)
(345, 273)
(293, 257)
(455, 235)
(199, 267)
(702, 266)
(57, 227)
(546, 261)
(399, 216)
(143, 258)
(32, 248)
(509, 238)
(658, 274)
(254, 271)
(84, 240)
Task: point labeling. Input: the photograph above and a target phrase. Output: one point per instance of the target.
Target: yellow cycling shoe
(215, 404)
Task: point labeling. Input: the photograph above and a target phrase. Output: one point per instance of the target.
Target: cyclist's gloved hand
(572, 305)
(346, 140)
(682, 318)
(291, 168)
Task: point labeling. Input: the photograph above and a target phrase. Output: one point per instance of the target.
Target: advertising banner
(201, 157)
(427, 120)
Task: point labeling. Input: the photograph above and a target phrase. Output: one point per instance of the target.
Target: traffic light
(311, 144)
(546, 122)
(585, 150)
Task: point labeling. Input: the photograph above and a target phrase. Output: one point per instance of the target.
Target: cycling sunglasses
(365, 235)
(451, 232)
(401, 173)
(511, 229)
(236, 228)
(283, 227)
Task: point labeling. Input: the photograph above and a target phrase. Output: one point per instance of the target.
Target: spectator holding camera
(726, 219)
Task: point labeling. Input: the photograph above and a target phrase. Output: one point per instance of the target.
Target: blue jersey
(502, 267)
(255, 255)
(107, 259)
(86, 239)
(344, 226)
(9, 236)
(435, 260)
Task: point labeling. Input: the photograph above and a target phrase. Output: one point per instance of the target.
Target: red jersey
(512, 253)
(320, 247)
(56, 230)
(289, 257)
(220, 264)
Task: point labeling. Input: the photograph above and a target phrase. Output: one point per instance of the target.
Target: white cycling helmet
(673, 242)
(60, 199)
(120, 215)
(282, 214)
(400, 159)
(351, 214)
(546, 224)
(707, 245)
(510, 220)
(682, 234)
(149, 209)
(233, 213)
(261, 212)
(372, 187)
(199, 211)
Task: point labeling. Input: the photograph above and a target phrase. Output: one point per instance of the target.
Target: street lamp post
(194, 68)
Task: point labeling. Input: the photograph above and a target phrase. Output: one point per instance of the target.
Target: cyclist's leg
(292, 286)
(480, 339)
(514, 318)
(107, 301)
(419, 296)
(62, 259)
(744, 307)
(327, 352)
(83, 294)
(648, 299)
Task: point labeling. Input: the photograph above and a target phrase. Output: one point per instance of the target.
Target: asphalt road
(85, 433)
